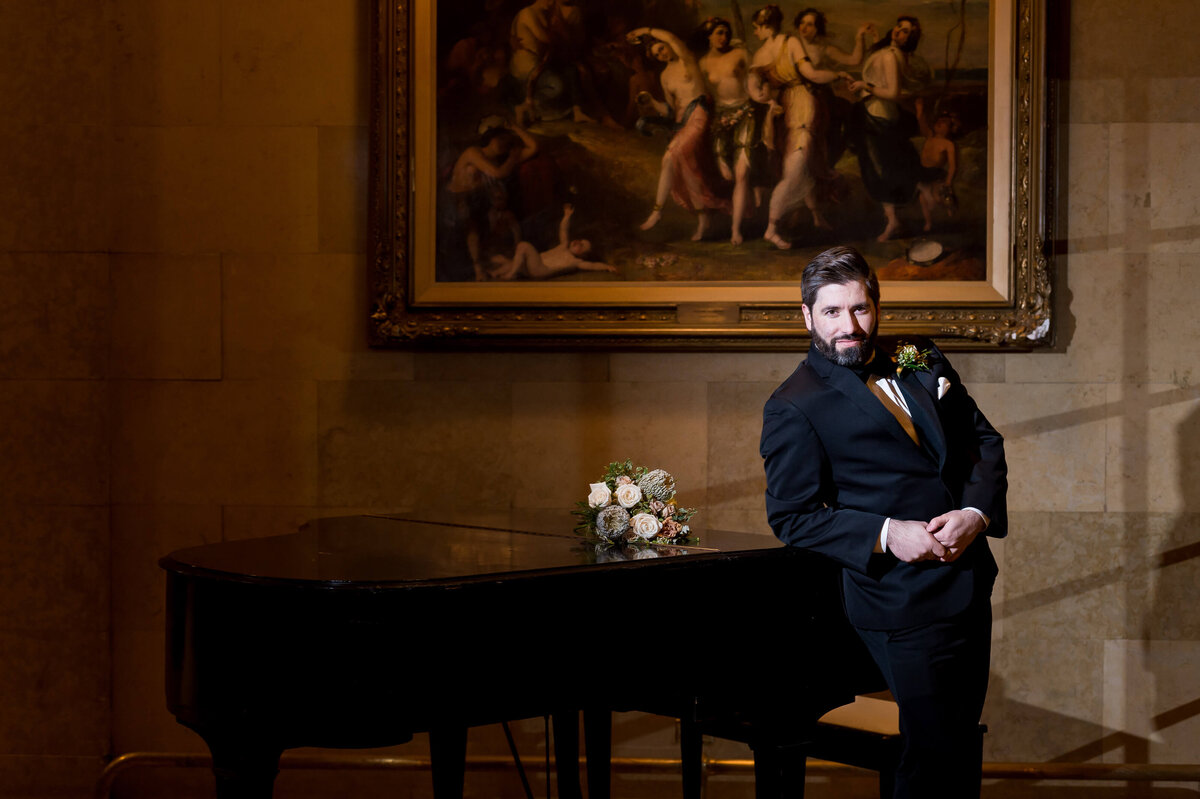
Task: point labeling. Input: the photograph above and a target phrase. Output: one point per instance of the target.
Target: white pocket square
(943, 387)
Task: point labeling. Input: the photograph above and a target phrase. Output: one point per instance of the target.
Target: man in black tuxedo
(896, 474)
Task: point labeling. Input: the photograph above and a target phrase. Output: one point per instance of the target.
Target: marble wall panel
(1044, 699)
(536, 367)
(56, 197)
(238, 442)
(1131, 196)
(743, 520)
(289, 62)
(166, 66)
(54, 569)
(49, 777)
(54, 443)
(1113, 21)
(735, 473)
(1172, 547)
(1085, 201)
(140, 719)
(303, 317)
(1150, 700)
(54, 56)
(1000, 593)
(54, 314)
(416, 445)
(565, 435)
(1170, 285)
(214, 189)
(141, 534)
(1089, 346)
(1096, 101)
(1152, 454)
(1174, 176)
(166, 317)
(725, 367)
(56, 692)
(1075, 576)
(1054, 441)
(342, 187)
(257, 521)
(1172, 98)
(980, 367)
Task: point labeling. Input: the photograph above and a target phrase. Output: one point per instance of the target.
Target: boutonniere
(909, 357)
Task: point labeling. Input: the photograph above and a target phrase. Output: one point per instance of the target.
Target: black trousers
(938, 673)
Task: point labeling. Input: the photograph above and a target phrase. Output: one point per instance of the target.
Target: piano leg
(244, 766)
(566, 753)
(691, 752)
(448, 761)
(779, 771)
(597, 743)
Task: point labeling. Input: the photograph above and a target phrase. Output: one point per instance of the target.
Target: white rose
(600, 495)
(645, 525)
(629, 495)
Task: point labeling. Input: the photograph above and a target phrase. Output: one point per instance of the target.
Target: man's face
(842, 322)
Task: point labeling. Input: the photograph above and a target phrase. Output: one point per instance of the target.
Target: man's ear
(807, 317)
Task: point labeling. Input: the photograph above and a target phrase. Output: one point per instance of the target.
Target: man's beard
(846, 356)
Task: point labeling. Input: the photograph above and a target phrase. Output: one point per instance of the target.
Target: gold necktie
(901, 416)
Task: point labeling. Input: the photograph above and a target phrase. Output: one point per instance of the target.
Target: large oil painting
(658, 172)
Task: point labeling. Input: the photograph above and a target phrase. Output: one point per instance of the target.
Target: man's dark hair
(837, 266)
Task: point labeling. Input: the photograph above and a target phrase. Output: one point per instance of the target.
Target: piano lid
(399, 551)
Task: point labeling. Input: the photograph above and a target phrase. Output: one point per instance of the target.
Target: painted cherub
(566, 257)
(939, 157)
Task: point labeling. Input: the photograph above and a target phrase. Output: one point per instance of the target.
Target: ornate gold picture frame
(538, 240)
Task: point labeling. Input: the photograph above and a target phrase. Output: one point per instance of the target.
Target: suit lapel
(849, 384)
(924, 410)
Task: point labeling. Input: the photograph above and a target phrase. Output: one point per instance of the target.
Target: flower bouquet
(636, 506)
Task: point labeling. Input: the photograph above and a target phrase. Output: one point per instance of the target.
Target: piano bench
(864, 734)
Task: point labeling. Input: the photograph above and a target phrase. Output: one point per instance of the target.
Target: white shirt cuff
(982, 515)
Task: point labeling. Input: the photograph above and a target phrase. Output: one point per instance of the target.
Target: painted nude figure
(566, 257)
(501, 149)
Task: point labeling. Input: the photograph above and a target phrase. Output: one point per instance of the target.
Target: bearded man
(889, 468)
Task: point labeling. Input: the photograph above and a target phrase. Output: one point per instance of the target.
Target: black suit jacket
(838, 463)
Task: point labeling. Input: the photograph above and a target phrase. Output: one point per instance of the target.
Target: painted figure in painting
(880, 128)
(811, 27)
(688, 168)
(736, 128)
(791, 69)
(764, 116)
(477, 176)
(569, 255)
(546, 36)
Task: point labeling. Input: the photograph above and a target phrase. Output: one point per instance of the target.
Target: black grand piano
(363, 631)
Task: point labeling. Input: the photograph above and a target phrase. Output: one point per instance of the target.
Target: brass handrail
(1108, 772)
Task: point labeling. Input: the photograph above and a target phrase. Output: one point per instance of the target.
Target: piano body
(362, 631)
